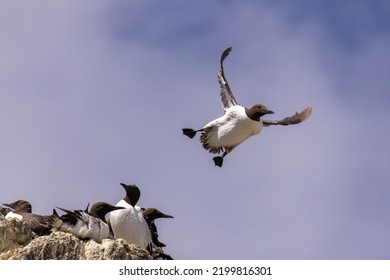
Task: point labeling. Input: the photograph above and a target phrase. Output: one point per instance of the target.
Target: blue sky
(95, 94)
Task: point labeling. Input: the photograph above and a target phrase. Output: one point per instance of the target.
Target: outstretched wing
(227, 97)
(294, 119)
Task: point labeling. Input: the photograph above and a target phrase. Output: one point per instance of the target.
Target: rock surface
(18, 242)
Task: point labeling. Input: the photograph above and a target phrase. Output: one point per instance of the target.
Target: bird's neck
(254, 116)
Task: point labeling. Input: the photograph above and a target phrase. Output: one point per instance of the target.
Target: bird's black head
(100, 209)
(21, 206)
(150, 214)
(257, 111)
(132, 194)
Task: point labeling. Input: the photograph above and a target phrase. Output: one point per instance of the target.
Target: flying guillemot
(22, 210)
(238, 123)
(83, 223)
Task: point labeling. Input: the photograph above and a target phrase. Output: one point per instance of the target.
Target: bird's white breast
(232, 128)
(130, 225)
(13, 215)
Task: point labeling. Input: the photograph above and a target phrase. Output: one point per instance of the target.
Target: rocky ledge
(18, 242)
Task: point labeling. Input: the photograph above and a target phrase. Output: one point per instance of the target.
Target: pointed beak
(165, 216)
(270, 112)
(117, 208)
(8, 205)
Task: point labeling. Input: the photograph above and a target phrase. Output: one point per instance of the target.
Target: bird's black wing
(294, 119)
(39, 224)
(227, 97)
(154, 234)
(71, 217)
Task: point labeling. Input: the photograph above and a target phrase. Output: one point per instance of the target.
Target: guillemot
(129, 223)
(238, 123)
(83, 223)
(22, 210)
(151, 214)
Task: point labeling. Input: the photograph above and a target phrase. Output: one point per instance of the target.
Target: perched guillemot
(238, 123)
(129, 223)
(150, 214)
(22, 210)
(83, 223)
